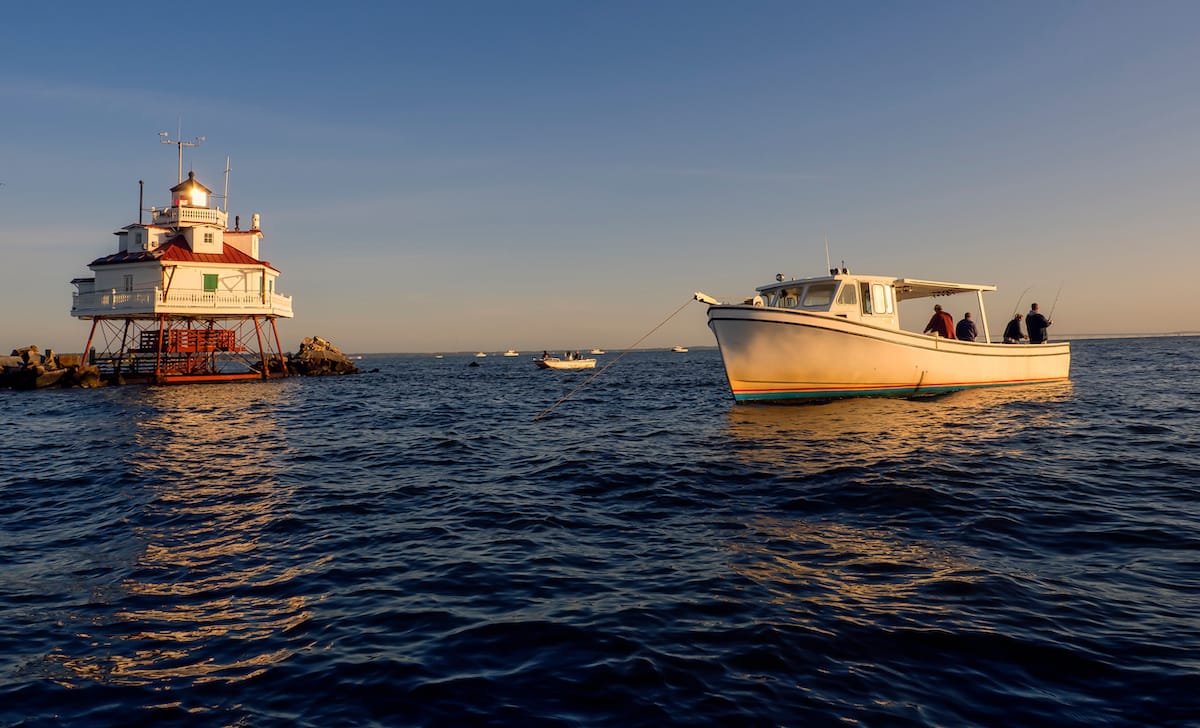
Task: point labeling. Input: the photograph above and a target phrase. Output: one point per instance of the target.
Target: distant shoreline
(1127, 336)
(694, 347)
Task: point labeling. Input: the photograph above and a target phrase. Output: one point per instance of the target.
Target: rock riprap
(318, 356)
(28, 368)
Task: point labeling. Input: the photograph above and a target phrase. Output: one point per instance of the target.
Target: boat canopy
(910, 288)
(867, 297)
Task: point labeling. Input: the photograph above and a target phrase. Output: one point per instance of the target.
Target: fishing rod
(1056, 295)
(1018, 306)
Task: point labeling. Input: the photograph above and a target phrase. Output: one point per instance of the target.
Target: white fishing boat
(480, 355)
(839, 336)
(512, 352)
(597, 351)
(568, 362)
(679, 349)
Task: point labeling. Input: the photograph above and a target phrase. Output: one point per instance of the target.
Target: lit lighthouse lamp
(190, 193)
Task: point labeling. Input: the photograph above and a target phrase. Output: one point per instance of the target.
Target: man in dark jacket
(1012, 332)
(966, 330)
(941, 324)
(1036, 324)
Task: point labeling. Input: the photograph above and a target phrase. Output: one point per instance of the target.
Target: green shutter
(210, 282)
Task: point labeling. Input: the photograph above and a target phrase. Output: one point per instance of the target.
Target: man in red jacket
(941, 324)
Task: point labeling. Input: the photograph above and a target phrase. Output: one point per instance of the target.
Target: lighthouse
(184, 298)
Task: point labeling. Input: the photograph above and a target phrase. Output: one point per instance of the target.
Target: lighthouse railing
(146, 301)
(190, 215)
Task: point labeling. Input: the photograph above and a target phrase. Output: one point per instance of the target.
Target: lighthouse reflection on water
(210, 593)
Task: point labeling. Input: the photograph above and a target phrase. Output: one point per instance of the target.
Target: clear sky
(448, 176)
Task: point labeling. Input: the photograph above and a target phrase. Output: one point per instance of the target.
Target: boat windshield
(819, 294)
(813, 295)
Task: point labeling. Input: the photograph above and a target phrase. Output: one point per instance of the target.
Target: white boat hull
(565, 363)
(772, 353)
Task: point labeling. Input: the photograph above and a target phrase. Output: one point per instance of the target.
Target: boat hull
(778, 354)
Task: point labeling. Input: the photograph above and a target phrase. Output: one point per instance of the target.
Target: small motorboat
(480, 355)
(546, 361)
(512, 352)
(679, 349)
(597, 351)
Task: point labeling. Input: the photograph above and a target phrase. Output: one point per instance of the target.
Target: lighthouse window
(127, 281)
(210, 282)
(208, 238)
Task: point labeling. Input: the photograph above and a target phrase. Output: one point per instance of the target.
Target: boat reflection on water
(822, 567)
(811, 438)
(870, 492)
(204, 599)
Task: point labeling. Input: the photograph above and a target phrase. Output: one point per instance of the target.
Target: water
(410, 547)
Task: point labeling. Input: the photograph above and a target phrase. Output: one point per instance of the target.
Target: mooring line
(628, 349)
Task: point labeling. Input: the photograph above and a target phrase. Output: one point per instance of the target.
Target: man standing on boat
(941, 324)
(1036, 323)
(966, 330)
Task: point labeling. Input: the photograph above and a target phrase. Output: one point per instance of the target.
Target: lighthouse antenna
(226, 184)
(165, 138)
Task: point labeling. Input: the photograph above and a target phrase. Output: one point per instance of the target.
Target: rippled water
(411, 547)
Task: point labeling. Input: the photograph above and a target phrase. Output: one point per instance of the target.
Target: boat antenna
(165, 138)
(1017, 308)
(627, 349)
(1056, 295)
(827, 266)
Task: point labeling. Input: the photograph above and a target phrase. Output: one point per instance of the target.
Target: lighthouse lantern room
(184, 298)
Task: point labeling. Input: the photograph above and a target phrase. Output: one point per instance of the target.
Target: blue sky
(483, 175)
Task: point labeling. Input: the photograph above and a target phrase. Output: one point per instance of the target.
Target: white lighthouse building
(184, 298)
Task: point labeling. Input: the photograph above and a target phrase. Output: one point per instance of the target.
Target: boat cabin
(863, 298)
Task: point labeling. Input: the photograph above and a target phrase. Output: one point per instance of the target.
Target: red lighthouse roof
(176, 250)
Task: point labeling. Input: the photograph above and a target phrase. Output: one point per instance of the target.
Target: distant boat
(438, 356)
(679, 349)
(597, 351)
(553, 362)
(510, 352)
(839, 335)
(480, 355)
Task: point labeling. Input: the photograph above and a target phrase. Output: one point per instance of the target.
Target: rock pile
(318, 357)
(28, 368)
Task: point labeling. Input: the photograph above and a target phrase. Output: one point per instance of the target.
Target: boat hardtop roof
(906, 288)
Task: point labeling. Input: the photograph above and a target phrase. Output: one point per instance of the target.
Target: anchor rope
(628, 349)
